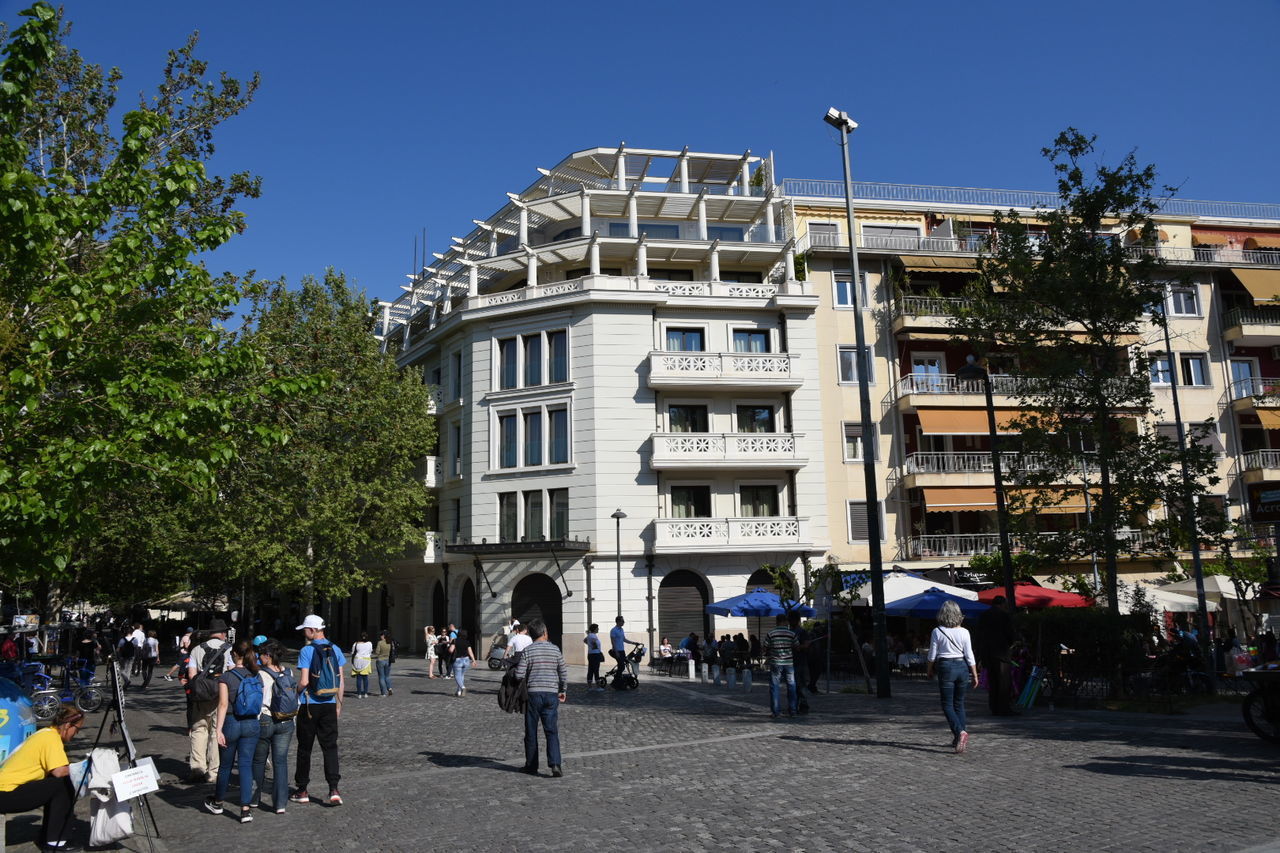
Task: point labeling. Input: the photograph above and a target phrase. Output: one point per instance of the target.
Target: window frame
(846, 426)
(1186, 358)
(691, 484)
(547, 445)
(775, 488)
(1191, 291)
(867, 360)
(685, 328)
(848, 521)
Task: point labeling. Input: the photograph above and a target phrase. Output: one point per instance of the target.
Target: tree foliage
(1063, 303)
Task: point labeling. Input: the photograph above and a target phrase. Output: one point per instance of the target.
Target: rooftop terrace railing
(1003, 199)
(1251, 317)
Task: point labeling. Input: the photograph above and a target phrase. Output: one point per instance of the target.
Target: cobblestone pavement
(677, 765)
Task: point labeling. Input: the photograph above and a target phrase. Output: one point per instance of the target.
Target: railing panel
(1258, 459)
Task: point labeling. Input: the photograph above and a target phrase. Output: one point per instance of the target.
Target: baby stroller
(628, 678)
(498, 652)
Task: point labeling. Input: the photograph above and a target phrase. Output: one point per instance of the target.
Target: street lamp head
(840, 120)
(971, 370)
(618, 515)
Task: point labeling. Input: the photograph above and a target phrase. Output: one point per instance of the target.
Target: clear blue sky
(378, 120)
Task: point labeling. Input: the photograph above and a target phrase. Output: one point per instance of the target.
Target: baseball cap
(260, 640)
(312, 621)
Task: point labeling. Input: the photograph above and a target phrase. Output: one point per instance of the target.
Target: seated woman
(665, 649)
(37, 774)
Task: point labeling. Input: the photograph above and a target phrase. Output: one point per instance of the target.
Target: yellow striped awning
(1263, 285)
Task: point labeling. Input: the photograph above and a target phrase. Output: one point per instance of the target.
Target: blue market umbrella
(925, 605)
(758, 602)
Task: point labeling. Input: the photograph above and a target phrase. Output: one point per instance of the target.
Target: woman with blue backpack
(239, 707)
(279, 707)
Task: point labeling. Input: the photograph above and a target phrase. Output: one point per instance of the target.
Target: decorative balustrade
(694, 534)
(978, 463)
(975, 544)
(947, 383)
(692, 368)
(926, 306)
(434, 547)
(1258, 459)
(693, 449)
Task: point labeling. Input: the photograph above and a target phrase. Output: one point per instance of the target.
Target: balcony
(644, 284)
(723, 370)
(429, 471)
(975, 544)
(692, 535)
(924, 313)
(925, 389)
(1260, 466)
(1252, 327)
(974, 469)
(689, 450)
(1254, 392)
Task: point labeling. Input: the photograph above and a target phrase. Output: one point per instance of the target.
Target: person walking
(150, 656)
(362, 664)
(517, 641)
(320, 686)
(546, 677)
(429, 636)
(951, 656)
(595, 657)
(779, 646)
(212, 658)
(443, 659)
(279, 710)
(995, 644)
(239, 706)
(184, 648)
(463, 657)
(384, 654)
(37, 775)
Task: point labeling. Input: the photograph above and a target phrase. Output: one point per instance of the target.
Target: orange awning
(1263, 285)
(1270, 418)
(959, 499)
(1263, 241)
(1073, 504)
(938, 264)
(964, 421)
(1135, 234)
(1209, 238)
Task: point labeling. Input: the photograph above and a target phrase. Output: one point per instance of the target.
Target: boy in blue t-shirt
(318, 716)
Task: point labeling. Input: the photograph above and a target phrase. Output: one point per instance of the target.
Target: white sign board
(141, 779)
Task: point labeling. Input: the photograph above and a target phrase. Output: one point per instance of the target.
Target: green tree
(1062, 302)
(116, 374)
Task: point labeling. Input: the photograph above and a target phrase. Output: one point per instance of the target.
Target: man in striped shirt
(543, 668)
(779, 647)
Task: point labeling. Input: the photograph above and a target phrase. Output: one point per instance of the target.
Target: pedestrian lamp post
(841, 122)
(973, 372)
(617, 517)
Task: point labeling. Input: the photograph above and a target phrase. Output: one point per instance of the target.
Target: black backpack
(204, 687)
(513, 693)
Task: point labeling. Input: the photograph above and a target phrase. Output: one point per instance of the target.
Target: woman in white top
(429, 636)
(362, 665)
(951, 654)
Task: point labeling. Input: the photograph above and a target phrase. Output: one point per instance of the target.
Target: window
(1194, 369)
(854, 446)
(507, 355)
(890, 236)
(579, 272)
(824, 234)
(686, 340)
(508, 516)
(507, 441)
(559, 499)
(558, 420)
(568, 234)
(742, 276)
(1161, 372)
(724, 233)
(686, 418)
(558, 356)
(670, 275)
(844, 291)
(755, 419)
(849, 363)
(859, 529)
(533, 516)
(532, 360)
(455, 376)
(690, 501)
(456, 529)
(455, 450)
(751, 340)
(1184, 301)
(533, 438)
(654, 230)
(759, 501)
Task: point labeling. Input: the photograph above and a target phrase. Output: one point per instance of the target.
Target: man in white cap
(320, 686)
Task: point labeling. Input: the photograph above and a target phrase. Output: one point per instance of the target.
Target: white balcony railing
(433, 547)
(734, 534)
(974, 544)
(1259, 388)
(734, 368)
(977, 463)
(1251, 317)
(1256, 460)
(947, 383)
(716, 449)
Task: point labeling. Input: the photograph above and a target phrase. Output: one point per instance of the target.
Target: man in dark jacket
(995, 639)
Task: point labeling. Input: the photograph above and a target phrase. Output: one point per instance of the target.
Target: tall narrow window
(455, 376)
(507, 455)
(507, 360)
(558, 446)
(844, 291)
(559, 499)
(690, 501)
(686, 340)
(533, 438)
(456, 529)
(750, 340)
(850, 363)
(1185, 301)
(688, 418)
(558, 356)
(854, 446)
(533, 516)
(1161, 370)
(759, 501)
(858, 522)
(455, 450)
(508, 516)
(755, 419)
(1195, 369)
(532, 360)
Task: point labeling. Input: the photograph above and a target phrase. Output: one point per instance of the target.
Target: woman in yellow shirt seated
(37, 774)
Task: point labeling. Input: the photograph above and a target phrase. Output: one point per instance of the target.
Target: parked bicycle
(78, 687)
(1261, 708)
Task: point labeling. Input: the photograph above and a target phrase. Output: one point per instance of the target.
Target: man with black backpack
(320, 686)
(207, 663)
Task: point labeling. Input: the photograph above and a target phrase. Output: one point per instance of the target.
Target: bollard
(702, 673)
(730, 677)
(693, 668)
(715, 674)
(746, 679)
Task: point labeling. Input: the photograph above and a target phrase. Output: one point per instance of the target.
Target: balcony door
(927, 369)
(1242, 371)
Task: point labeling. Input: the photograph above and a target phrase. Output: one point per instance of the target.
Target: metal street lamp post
(617, 517)
(971, 372)
(841, 122)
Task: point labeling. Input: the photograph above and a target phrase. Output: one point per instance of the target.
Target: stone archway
(467, 617)
(683, 597)
(538, 596)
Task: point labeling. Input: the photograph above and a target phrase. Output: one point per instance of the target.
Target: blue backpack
(322, 682)
(248, 701)
(284, 695)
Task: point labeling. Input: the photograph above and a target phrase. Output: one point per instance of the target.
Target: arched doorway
(760, 625)
(682, 606)
(439, 607)
(537, 596)
(467, 618)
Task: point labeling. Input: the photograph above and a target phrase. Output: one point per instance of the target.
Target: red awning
(1036, 597)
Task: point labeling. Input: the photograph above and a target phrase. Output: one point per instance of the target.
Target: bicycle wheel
(45, 705)
(90, 699)
(1263, 724)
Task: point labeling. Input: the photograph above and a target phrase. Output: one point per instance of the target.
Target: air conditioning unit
(1275, 352)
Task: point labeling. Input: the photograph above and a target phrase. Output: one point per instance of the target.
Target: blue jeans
(777, 672)
(542, 708)
(362, 684)
(275, 739)
(460, 667)
(953, 683)
(384, 676)
(242, 740)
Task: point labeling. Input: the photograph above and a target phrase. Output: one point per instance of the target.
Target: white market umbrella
(1216, 587)
(900, 586)
(1170, 602)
